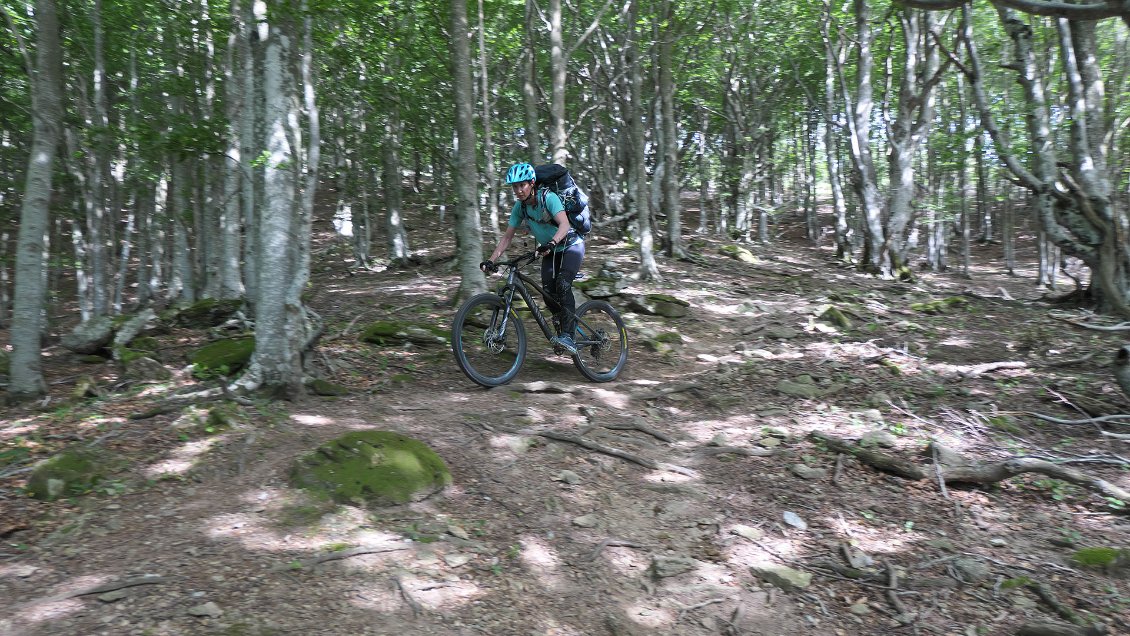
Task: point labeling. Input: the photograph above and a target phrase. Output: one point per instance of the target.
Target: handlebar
(519, 261)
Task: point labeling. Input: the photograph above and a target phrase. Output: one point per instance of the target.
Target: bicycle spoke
(488, 351)
(602, 341)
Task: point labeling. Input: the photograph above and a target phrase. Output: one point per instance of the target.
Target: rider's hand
(545, 248)
(488, 266)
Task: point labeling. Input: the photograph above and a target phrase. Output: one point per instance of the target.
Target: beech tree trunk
(26, 372)
(468, 229)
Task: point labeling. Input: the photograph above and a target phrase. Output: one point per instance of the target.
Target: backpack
(556, 179)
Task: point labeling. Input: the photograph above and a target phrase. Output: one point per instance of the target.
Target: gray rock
(808, 472)
(799, 389)
(662, 566)
(878, 438)
(782, 576)
(748, 532)
(781, 332)
(794, 520)
(586, 521)
(972, 570)
(209, 609)
(145, 369)
(133, 327)
(568, 477)
(90, 336)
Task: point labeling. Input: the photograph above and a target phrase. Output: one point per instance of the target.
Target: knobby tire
(488, 357)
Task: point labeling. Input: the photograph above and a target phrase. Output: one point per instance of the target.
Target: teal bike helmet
(520, 172)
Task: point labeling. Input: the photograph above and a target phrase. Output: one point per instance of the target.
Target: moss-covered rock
(739, 253)
(601, 287)
(837, 317)
(90, 336)
(142, 368)
(660, 305)
(939, 306)
(71, 472)
(372, 468)
(209, 312)
(385, 332)
(1110, 560)
(222, 357)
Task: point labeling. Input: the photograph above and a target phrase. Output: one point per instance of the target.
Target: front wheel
(487, 347)
(602, 342)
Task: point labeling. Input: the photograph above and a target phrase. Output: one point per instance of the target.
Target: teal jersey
(539, 217)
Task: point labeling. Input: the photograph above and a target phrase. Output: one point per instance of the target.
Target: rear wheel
(487, 351)
(602, 342)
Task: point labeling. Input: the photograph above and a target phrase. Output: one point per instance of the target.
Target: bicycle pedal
(559, 350)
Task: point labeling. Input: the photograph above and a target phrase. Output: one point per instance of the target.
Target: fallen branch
(1048, 629)
(1090, 420)
(875, 459)
(613, 543)
(959, 469)
(735, 450)
(641, 427)
(600, 448)
(417, 609)
(336, 556)
(148, 579)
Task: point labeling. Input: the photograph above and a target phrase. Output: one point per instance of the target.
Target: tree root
(600, 448)
(148, 579)
(1048, 629)
(876, 459)
(951, 467)
(325, 557)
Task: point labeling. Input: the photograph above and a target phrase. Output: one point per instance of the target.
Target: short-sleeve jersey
(538, 217)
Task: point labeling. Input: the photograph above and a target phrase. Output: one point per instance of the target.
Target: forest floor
(203, 535)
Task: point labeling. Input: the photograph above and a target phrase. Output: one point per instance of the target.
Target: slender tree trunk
(231, 218)
(486, 116)
(864, 176)
(649, 269)
(557, 140)
(468, 231)
(25, 368)
(671, 204)
(395, 232)
(833, 59)
(529, 86)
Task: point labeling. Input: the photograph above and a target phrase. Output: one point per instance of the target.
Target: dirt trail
(544, 537)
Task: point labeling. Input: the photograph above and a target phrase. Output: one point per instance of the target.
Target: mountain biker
(560, 247)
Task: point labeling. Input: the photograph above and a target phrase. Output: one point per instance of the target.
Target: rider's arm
(563, 227)
(504, 243)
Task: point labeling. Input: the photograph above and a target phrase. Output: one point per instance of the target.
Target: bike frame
(516, 281)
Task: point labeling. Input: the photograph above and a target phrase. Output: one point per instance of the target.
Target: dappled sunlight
(312, 420)
(618, 400)
(19, 427)
(870, 539)
(541, 561)
(182, 459)
(625, 561)
(650, 615)
(668, 477)
(56, 606)
(47, 610)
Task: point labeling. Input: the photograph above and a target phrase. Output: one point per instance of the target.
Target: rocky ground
(746, 524)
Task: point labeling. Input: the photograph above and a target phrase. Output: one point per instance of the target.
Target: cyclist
(560, 247)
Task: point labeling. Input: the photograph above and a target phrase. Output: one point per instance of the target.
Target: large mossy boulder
(71, 472)
(660, 305)
(210, 312)
(222, 357)
(372, 468)
(384, 332)
(599, 287)
(90, 336)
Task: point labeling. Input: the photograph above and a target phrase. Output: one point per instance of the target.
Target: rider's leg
(563, 271)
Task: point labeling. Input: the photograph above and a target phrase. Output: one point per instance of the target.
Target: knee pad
(563, 284)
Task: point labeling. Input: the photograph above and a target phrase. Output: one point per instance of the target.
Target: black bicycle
(489, 339)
